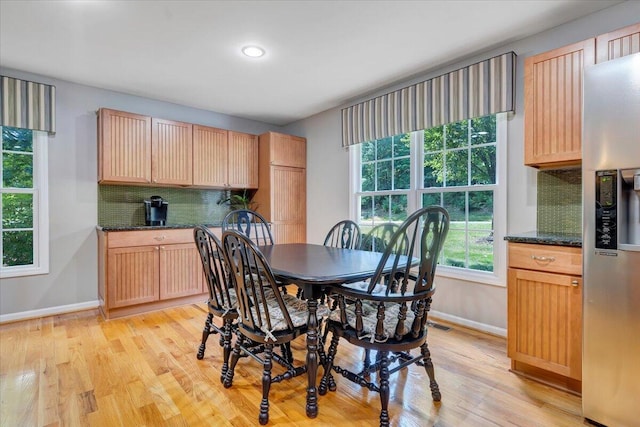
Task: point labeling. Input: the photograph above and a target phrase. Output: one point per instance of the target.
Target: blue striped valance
(477, 90)
(27, 105)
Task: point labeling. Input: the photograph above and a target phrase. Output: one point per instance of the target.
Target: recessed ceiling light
(253, 51)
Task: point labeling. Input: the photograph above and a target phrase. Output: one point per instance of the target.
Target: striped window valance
(27, 105)
(478, 90)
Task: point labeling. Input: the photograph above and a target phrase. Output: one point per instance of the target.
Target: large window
(457, 166)
(23, 202)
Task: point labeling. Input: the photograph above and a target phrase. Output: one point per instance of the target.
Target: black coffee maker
(155, 211)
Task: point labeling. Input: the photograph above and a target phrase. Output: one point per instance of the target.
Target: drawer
(122, 239)
(554, 259)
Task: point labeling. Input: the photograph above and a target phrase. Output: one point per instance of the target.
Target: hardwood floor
(79, 370)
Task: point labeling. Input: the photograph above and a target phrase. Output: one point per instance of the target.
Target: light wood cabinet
(146, 270)
(243, 160)
(619, 43)
(553, 105)
(136, 149)
(282, 196)
(124, 147)
(171, 152)
(544, 299)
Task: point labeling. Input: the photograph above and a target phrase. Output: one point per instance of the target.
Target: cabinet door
(243, 160)
(619, 43)
(210, 156)
(553, 105)
(180, 271)
(545, 321)
(289, 204)
(133, 276)
(288, 150)
(124, 148)
(172, 152)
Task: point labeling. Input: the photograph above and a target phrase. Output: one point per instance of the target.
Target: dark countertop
(537, 237)
(151, 227)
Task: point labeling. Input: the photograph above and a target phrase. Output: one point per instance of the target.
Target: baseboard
(49, 311)
(493, 330)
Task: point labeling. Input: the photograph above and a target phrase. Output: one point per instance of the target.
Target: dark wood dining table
(312, 268)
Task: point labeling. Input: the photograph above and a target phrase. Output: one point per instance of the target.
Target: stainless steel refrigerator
(611, 242)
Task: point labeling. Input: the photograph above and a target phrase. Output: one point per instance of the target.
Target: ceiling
(320, 54)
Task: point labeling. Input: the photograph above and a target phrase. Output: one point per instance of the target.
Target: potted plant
(240, 200)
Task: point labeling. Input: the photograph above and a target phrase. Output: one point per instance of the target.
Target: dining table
(313, 268)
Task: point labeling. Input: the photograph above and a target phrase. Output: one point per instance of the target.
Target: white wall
(73, 195)
(477, 305)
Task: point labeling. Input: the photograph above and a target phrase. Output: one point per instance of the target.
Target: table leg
(312, 358)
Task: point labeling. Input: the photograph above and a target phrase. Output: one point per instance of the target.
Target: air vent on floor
(438, 326)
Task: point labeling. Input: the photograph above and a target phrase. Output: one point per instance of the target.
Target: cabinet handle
(543, 258)
(160, 238)
(575, 283)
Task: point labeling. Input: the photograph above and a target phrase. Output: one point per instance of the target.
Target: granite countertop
(151, 227)
(540, 238)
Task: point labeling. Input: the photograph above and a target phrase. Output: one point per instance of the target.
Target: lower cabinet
(145, 270)
(544, 330)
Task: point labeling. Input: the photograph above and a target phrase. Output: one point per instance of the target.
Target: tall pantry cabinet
(282, 195)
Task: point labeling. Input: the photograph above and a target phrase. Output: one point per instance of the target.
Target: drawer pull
(543, 258)
(160, 238)
(575, 283)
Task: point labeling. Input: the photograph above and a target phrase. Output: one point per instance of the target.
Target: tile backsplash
(122, 205)
(560, 201)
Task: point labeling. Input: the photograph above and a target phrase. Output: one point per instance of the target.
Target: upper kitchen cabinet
(287, 150)
(553, 105)
(282, 195)
(210, 158)
(243, 160)
(124, 147)
(171, 152)
(622, 42)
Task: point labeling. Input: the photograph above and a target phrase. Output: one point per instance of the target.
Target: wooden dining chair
(266, 314)
(390, 314)
(222, 301)
(345, 234)
(251, 224)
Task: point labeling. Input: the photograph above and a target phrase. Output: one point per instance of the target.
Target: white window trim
(40, 211)
(498, 277)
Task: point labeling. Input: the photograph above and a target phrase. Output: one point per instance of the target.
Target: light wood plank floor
(79, 370)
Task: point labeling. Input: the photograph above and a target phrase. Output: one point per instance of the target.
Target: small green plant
(240, 200)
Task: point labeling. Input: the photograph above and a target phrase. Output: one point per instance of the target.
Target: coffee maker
(155, 211)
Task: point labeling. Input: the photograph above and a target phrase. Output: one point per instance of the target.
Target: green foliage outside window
(17, 197)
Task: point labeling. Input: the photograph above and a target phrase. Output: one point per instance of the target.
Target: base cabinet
(544, 330)
(148, 270)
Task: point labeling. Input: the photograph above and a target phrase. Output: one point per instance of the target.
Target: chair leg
(266, 385)
(205, 335)
(428, 366)
(226, 349)
(327, 381)
(384, 388)
(228, 377)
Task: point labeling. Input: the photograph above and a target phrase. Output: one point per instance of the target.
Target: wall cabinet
(619, 43)
(147, 270)
(553, 105)
(544, 299)
(282, 196)
(136, 149)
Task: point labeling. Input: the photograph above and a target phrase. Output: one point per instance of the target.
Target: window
(457, 166)
(24, 230)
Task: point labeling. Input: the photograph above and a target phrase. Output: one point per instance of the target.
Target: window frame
(496, 277)
(40, 193)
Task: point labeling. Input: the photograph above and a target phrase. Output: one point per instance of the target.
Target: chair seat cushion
(297, 311)
(233, 303)
(370, 319)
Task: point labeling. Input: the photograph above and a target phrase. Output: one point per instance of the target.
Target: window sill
(485, 278)
(23, 271)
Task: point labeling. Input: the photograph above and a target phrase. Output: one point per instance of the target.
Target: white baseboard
(501, 332)
(49, 311)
